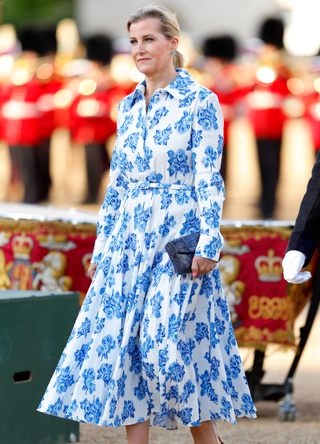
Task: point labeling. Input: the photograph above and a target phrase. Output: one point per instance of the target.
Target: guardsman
(265, 111)
(220, 52)
(90, 119)
(21, 115)
(51, 82)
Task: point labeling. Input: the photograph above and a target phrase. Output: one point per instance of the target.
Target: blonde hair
(169, 25)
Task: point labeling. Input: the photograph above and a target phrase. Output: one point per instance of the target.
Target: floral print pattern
(149, 343)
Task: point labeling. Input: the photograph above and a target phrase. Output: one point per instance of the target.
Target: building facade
(201, 18)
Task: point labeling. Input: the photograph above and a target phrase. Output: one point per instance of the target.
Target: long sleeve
(306, 234)
(109, 211)
(207, 146)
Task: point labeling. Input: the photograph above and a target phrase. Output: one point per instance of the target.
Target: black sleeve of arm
(306, 234)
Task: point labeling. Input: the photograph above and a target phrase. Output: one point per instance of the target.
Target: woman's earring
(173, 53)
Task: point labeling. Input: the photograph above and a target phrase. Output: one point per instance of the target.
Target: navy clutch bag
(182, 250)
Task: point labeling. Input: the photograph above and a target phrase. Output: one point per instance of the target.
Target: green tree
(27, 12)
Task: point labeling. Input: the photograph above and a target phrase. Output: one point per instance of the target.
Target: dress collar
(181, 86)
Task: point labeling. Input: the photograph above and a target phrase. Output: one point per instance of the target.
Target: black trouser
(23, 158)
(269, 161)
(223, 168)
(97, 161)
(42, 155)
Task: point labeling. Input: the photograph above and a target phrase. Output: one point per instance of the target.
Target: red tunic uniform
(21, 115)
(5, 94)
(312, 102)
(91, 115)
(265, 108)
(46, 106)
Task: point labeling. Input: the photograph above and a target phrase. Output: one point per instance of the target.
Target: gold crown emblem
(22, 246)
(269, 267)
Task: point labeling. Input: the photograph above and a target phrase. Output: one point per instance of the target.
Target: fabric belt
(145, 185)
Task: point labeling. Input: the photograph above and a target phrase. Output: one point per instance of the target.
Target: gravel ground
(267, 428)
(259, 431)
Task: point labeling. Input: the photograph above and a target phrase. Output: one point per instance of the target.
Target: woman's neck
(158, 80)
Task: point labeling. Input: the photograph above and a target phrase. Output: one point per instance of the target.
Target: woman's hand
(92, 269)
(202, 265)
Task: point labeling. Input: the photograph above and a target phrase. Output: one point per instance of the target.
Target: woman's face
(150, 49)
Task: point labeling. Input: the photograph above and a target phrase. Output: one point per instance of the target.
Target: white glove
(292, 264)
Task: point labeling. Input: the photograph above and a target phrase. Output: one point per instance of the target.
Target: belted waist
(145, 185)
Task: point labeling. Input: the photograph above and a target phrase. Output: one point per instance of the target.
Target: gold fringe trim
(257, 337)
(36, 227)
(256, 232)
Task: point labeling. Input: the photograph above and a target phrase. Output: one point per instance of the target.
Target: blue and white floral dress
(149, 343)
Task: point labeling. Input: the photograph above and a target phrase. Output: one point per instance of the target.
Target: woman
(150, 346)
